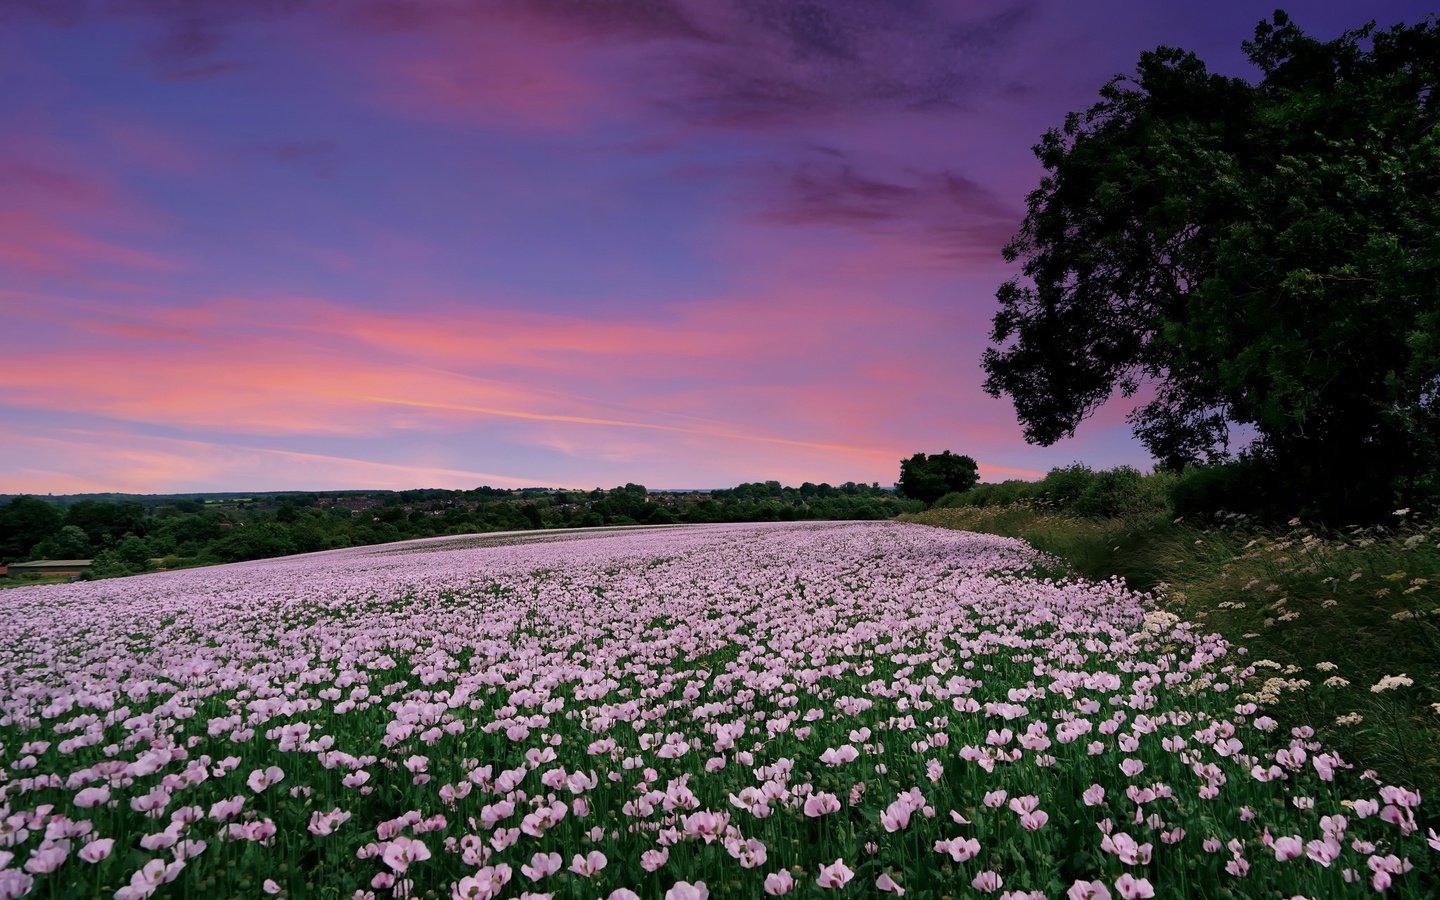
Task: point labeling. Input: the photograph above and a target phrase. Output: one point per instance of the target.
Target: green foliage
(928, 478)
(1265, 256)
(70, 542)
(1124, 491)
(25, 522)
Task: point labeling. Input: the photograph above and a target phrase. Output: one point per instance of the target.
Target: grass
(1326, 615)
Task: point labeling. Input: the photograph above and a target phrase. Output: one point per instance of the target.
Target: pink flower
(652, 860)
(705, 825)
(260, 780)
(1094, 795)
(684, 890)
(1289, 848)
(542, 865)
(403, 851)
(1132, 888)
(896, 816)
(45, 860)
(820, 804)
(1088, 890)
(888, 885)
(91, 797)
(987, 881)
(617, 894)
(960, 849)
(1323, 852)
(835, 757)
(1131, 766)
(778, 883)
(97, 850)
(586, 866)
(835, 875)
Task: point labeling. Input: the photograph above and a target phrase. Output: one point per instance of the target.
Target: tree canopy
(1252, 259)
(929, 478)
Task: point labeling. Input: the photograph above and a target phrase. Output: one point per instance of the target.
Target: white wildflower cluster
(1158, 621)
(1391, 682)
(1276, 687)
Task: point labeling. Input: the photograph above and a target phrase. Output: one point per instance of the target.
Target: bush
(1001, 494)
(1062, 486)
(1124, 491)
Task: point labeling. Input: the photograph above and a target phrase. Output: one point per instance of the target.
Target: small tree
(929, 478)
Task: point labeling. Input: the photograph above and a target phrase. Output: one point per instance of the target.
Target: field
(728, 711)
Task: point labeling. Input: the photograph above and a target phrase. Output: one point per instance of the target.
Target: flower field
(723, 711)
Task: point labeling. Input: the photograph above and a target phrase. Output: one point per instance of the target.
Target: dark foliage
(929, 478)
(1263, 258)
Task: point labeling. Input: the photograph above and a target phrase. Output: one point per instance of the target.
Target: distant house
(71, 567)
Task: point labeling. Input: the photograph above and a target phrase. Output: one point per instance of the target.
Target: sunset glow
(249, 245)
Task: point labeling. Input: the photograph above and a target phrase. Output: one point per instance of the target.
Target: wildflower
(1132, 888)
(896, 816)
(586, 866)
(987, 881)
(542, 865)
(779, 883)
(820, 804)
(259, 779)
(97, 850)
(1290, 847)
(684, 890)
(403, 851)
(90, 797)
(1391, 682)
(1088, 890)
(960, 849)
(887, 884)
(835, 875)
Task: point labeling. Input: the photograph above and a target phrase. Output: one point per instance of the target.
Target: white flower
(1390, 682)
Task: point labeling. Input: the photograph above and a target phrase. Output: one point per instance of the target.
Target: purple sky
(276, 244)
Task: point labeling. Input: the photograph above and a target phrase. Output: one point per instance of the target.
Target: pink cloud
(88, 460)
(35, 243)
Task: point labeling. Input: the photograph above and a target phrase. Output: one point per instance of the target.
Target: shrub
(1062, 486)
(1117, 492)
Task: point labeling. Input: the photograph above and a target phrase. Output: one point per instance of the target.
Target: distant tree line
(128, 536)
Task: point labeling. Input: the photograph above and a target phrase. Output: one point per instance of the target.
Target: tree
(70, 542)
(1262, 258)
(929, 478)
(24, 522)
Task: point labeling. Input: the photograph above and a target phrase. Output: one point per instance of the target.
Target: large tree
(931, 477)
(1260, 259)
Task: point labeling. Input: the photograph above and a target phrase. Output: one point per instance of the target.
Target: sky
(325, 244)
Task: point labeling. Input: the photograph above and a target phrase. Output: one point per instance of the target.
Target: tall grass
(1332, 617)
